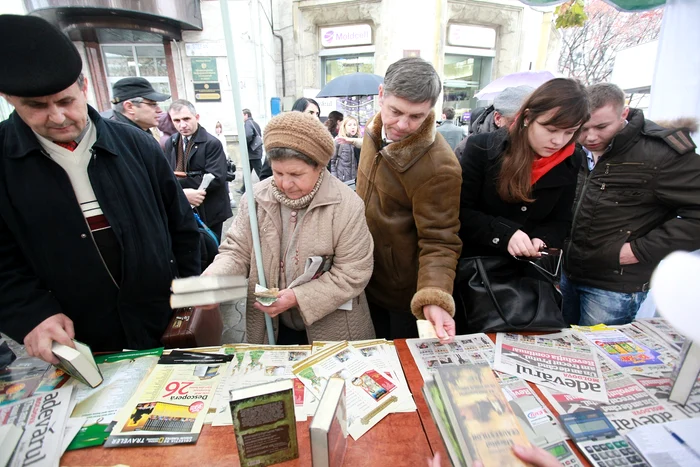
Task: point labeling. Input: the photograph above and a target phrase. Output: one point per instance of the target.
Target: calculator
(564, 454)
(599, 441)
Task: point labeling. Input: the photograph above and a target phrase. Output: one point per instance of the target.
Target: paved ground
(234, 313)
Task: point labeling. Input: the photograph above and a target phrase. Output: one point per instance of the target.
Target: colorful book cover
(484, 422)
(264, 423)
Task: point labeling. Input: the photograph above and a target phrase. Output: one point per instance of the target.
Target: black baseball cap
(37, 59)
(129, 88)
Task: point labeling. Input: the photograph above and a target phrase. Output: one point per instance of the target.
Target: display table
(415, 384)
(401, 439)
(399, 436)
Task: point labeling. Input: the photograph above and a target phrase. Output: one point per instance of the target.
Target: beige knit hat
(301, 132)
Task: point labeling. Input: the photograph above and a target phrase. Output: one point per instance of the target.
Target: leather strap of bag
(487, 286)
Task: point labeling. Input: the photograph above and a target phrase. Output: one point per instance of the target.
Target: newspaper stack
(46, 434)
(539, 424)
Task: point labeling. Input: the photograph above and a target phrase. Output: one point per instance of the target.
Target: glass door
(146, 61)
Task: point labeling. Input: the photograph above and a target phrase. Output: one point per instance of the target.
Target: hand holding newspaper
(206, 181)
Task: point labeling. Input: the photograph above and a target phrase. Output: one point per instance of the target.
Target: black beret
(38, 59)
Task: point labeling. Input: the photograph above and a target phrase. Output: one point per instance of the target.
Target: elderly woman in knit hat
(303, 212)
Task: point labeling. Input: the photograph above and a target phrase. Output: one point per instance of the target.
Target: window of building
(340, 65)
(464, 76)
(144, 60)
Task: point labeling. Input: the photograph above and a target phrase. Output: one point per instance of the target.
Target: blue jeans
(587, 306)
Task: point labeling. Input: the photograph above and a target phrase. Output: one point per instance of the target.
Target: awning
(622, 5)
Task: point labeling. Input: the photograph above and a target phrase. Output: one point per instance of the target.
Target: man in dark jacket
(192, 153)
(253, 138)
(135, 102)
(638, 200)
(93, 225)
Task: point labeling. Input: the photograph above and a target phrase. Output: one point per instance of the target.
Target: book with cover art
(431, 393)
(328, 431)
(484, 423)
(264, 423)
(78, 362)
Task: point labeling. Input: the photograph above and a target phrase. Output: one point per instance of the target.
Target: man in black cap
(135, 102)
(93, 224)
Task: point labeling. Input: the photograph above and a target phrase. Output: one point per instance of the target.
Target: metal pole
(242, 143)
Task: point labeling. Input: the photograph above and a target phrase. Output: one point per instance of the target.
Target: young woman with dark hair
(518, 188)
(518, 183)
(335, 119)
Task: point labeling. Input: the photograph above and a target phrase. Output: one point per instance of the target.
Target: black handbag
(501, 294)
(230, 170)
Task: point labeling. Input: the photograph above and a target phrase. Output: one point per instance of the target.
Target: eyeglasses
(140, 100)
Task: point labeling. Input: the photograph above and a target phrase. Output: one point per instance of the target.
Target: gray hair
(413, 79)
(602, 94)
(119, 106)
(283, 154)
(180, 104)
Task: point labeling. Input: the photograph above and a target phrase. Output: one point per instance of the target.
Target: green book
(264, 423)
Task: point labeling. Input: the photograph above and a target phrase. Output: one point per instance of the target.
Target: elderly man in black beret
(135, 102)
(93, 223)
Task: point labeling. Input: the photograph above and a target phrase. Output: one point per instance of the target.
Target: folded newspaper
(43, 418)
(562, 361)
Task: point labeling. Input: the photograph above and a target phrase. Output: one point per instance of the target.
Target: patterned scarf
(300, 203)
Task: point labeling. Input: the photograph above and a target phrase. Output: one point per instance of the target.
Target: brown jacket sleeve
(436, 213)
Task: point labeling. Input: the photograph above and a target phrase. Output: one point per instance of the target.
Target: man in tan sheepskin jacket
(410, 182)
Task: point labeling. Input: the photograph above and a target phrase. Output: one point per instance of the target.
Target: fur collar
(403, 154)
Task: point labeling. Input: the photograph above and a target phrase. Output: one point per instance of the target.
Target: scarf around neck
(300, 203)
(542, 165)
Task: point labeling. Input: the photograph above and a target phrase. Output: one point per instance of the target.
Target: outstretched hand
(57, 328)
(443, 323)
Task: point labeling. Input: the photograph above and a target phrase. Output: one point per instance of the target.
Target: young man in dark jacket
(192, 153)
(93, 224)
(638, 200)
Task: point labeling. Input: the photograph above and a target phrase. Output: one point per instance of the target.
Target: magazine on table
(171, 405)
(381, 355)
(561, 361)
(630, 404)
(469, 349)
(258, 364)
(371, 395)
(123, 373)
(628, 353)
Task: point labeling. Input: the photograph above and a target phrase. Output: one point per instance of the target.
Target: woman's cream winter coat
(334, 224)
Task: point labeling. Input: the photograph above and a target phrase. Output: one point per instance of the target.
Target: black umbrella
(356, 84)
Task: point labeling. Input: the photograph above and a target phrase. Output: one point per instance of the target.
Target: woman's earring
(525, 124)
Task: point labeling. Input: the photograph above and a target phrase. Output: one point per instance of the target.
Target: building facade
(286, 49)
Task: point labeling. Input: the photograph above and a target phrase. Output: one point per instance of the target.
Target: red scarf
(542, 165)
